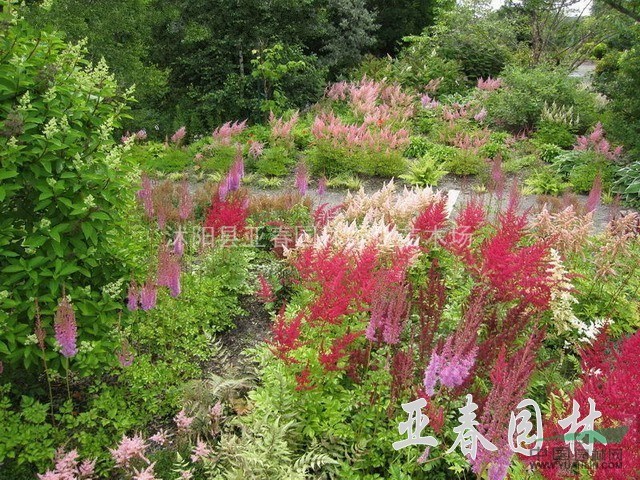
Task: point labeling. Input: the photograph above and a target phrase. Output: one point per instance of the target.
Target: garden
(330, 239)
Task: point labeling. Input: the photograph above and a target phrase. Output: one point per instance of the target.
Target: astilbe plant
(179, 135)
(489, 84)
(66, 330)
(69, 467)
(281, 130)
(611, 379)
(227, 214)
(225, 132)
(597, 142)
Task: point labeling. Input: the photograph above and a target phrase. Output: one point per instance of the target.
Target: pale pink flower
(255, 148)
(186, 474)
(133, 296)
(224, 133)
(146, 474)
(322, 186)
(161, 437)
(179, 135)
(183, 421)
(129, 449)
(480, 116)
(87, 469)
(200, 452)
(178, 244)
(490, 84)
(148, 296)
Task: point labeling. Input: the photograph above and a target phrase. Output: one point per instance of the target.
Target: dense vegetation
(186, 291)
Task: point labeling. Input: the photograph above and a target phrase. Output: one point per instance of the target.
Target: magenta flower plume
(322, 186)
(133, 296)
(148, 296)
(450, 367)
(145, 194)
(595, 194)
(65, 328)
(302, 179)
(168, 271)
(178, 244)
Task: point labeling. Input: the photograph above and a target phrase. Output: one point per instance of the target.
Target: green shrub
(65, 194)
(517, 164)
(348, 182)
(520, 103)
(270, 182)
(326, 159)
(418, 147)
(548, 152)
(274, 162)
(581, 168)
(554, 133)
(466, 162)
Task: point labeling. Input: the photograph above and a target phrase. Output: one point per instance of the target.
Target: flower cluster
(225, 133)
(597, 142)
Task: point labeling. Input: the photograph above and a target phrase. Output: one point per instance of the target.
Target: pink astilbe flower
(433, 84)
(388, 309)
(480, 116)
(498, 178)
(490, 84)
(129, 449)
(125, 138)
(509, 378)
(595, 195)
(178, 244)
(302, 179)
(281, 129)
(200, 452)
(125, 354)
(185, 201)
(265, 293)
(338, 91)
(402, 366)
(148, 295)
(145, 194)
(161, 437)
(183, 421)
(224, 133)
(255, 148)
(597, 142)
(186, 474)
(133, 296)
(65, 328)
(177, 137)
(141, 135)
(322, 186)
(146, 474)
(450, 367)
(87, 469)
(428, 102)
(168, 271)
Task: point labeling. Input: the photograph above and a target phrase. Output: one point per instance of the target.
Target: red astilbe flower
(303, 380)
(468, 221)
(402, 370)
(324, 214)
(611, 378)
(430, 306)
(265, 293)
(285, 335)
(510, 377)
(516, 272)
(227, 214)
(65, 327)
(338, 350)
(431, 220)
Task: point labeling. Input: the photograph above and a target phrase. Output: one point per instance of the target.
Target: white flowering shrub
(63, 187)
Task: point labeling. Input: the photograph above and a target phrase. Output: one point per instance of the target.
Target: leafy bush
(517, 164)
(520, 103)
(554, 133)
(64, 190)
(581, 168)
(274, 162)
(466, 162)
(348, 182)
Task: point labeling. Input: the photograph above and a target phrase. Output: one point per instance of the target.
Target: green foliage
(270, 182)
(348, 182)
(424, 172)
(466, 162)
(628, 183)
(274, 162)
(64, 190)
(327, 159)
(287, 78)
(553, 133)
(521, 102)
(544, 181)
(154, 157)
(581, 168)
(418, 147)
(548, 152)
(518, 164)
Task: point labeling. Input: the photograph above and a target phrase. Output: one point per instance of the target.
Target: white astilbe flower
(353, 236)
(562, 300)
(389, 206)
